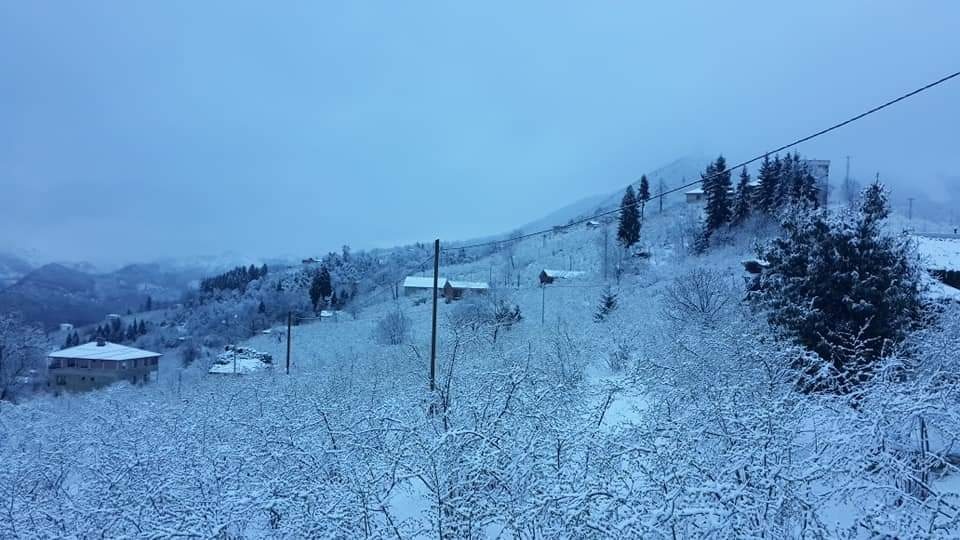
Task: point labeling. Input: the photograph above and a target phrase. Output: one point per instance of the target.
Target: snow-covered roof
(422, 282)
(563, 274)
(108, 351)
(697, 191)
(939, 253)
(471, 285)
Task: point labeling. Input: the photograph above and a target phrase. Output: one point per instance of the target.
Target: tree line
(235, 279)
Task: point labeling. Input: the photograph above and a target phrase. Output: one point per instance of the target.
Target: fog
(134, 131)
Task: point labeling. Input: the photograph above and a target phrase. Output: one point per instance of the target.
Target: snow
(564, 274)
(108, 351)
(469, 285)
(422, 282)
(939, 252)
(240, 361)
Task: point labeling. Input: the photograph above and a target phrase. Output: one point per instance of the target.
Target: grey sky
(135, 130)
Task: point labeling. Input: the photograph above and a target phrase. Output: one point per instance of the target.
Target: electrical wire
(801, 140)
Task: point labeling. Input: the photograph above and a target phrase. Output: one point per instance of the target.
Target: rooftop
(469, 285)
(107, 351)
(422, 282)
(563, 274)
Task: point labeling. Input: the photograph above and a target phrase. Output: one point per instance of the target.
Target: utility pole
(606, 230)
(910, 208)
(543, 303)
(289, 334)
(433, 335)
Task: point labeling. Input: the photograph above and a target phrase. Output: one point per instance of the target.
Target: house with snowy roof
(697, 196)
(100, 363)
(420, 284)
(455, 290)
(549, 276)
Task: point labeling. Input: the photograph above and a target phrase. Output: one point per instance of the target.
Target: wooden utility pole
(289, 334)
(433, 335)
(543, 303)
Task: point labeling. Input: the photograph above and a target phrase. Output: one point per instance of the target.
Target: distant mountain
(12, 268)
(56, 293)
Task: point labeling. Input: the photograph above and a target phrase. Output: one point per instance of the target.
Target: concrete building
(99, 363)
(820, 170)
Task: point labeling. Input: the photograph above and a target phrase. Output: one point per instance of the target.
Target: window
(92, 379)
(123, 365)
(84, 364)
(71, 362)
(61, 380)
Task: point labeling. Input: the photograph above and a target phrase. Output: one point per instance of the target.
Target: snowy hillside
(637, 395)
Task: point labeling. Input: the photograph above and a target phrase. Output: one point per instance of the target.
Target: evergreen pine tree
(142, 330)
(326, 287)
(628, 231)
(765, 200)
(742, 202)
(644, 194)
(262, 308)
(263, 270)
(784, 169)
(279, 285)
(608, 303)
(315, 291)
(716, 188)
(334, 301)
(843, 289)
(148, 305)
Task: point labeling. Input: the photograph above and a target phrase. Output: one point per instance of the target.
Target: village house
(100, 363)
(697, 196)
(454, 290)
(549, 276)
(420, 284)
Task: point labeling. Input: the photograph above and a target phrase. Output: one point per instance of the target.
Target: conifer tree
(142, 330)
(628, 231)
(716, 188)
(262, 308)
(326, 287)
(840, 287)
(148, 305)
(765, 200)
(334, 301)
(742, 203)
(608, 303)
(644, 194)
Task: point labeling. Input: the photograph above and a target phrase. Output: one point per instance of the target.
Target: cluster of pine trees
(236, 279)
(113, 332)
(322, 293)
(781, 182)
(631, 213)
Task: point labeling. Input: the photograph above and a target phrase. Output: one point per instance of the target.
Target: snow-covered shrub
(700, 296)
(393, 328)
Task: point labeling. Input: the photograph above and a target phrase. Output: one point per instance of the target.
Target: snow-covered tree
(842, 288)
(628, 231)
(742, 199)
(608, 303)
(716, 188)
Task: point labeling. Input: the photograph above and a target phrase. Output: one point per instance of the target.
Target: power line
(715, 175)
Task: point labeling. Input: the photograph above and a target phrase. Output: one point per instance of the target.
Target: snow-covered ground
(647, 424)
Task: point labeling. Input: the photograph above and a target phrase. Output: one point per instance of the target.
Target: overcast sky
(138, 130)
